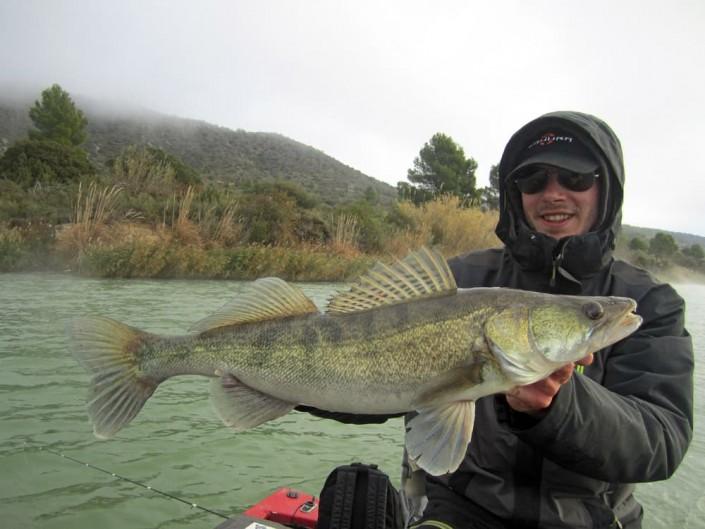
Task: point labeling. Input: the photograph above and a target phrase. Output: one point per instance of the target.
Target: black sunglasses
(535, 180)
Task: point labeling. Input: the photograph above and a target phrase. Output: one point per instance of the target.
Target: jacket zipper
(557, 260)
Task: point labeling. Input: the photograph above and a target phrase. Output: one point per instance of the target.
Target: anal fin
(437, 438)
(241, 407)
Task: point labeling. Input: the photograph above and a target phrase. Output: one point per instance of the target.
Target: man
(565, 451)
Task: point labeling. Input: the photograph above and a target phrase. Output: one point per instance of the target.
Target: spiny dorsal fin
(422, 274)
(266, 299)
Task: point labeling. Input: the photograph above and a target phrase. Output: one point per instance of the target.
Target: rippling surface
(177, 444)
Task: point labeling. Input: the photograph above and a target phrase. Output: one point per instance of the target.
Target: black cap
(557, 149)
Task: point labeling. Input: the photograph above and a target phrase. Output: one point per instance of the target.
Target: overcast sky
(369, 82)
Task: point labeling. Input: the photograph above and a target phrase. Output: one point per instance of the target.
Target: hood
(577, 256)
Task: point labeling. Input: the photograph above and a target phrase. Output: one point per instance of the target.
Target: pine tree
(441, 167)
(57, 118)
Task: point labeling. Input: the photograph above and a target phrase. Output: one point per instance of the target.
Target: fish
(402, 338)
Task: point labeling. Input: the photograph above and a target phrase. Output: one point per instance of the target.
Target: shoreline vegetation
(195, 239)
(147, 214)
(192, 239)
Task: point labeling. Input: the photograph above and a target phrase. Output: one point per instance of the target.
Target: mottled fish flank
(402, 338)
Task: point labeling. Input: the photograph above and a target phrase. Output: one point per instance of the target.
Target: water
(177, 444)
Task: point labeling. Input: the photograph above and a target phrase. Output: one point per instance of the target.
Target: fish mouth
(625, 322)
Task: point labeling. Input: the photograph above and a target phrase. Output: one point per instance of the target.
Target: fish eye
(593, 310)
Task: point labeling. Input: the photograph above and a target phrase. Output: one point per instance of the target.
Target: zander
(402, 338)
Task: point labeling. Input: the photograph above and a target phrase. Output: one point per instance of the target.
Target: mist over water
(177, 444)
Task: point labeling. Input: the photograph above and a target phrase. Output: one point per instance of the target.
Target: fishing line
(132, 481)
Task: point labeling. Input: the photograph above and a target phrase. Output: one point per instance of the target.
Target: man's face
(559, 212)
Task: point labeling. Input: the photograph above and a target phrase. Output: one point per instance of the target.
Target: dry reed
(138, 170)
(90, 214)
(444, 223)
(344, 234)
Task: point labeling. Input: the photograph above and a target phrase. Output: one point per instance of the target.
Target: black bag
(359, 496)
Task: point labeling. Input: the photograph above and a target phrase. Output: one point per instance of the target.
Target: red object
(289, 507)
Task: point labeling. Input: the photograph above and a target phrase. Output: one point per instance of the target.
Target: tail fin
(107, 349)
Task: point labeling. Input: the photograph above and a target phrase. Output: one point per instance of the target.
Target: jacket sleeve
(637, 424)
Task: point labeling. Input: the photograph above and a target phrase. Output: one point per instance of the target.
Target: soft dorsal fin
(268, 298)
(422, 274)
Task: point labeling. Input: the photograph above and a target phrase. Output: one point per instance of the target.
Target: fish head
(541, 332)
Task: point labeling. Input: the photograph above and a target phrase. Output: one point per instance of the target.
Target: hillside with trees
(218, 154)
(129, 197)
(120, 209)
(665, 253)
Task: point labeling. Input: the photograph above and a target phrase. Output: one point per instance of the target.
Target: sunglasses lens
(535, 181)
(576, 181)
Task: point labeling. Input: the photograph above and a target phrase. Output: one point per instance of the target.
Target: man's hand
(535, 398)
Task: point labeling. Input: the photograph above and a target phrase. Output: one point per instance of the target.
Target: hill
(682, 239)
(217, 153)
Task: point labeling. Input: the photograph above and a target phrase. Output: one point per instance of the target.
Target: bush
(303, 198)
(638, 244)
(371, 228)
(274, 218)
(12, 249)
(153, 171)
(647, 261)
(442, 223)
(40, 162)
(155, 257)
(26, 247)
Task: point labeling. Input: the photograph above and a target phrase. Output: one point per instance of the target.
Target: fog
(369, 82)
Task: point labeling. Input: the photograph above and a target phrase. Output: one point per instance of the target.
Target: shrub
(26, 247)
(41, 162)
(370, 226)
(150, 170)
(442, 223)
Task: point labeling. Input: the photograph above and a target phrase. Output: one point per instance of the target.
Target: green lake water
(177, 444)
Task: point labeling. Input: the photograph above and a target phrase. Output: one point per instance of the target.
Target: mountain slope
(217, 153)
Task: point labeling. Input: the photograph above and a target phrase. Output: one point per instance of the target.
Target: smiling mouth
(556, 217)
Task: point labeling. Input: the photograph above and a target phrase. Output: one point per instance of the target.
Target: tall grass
(345, 231)
(26, 247)
(227, 231)
(139, 170)
(12, 248)
(445, 224)
(160, 258)
(93, 209)
(199, 238)
(184, 229)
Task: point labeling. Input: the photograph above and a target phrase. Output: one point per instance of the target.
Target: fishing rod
(132, 481)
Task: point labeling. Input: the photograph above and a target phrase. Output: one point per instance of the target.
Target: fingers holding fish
(537, 397)
(589, 359)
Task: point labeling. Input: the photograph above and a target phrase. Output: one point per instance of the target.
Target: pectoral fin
(437, 438)
(242, 407)
(453, 385)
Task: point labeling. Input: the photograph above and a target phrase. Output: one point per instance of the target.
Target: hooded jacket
(627, 418)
